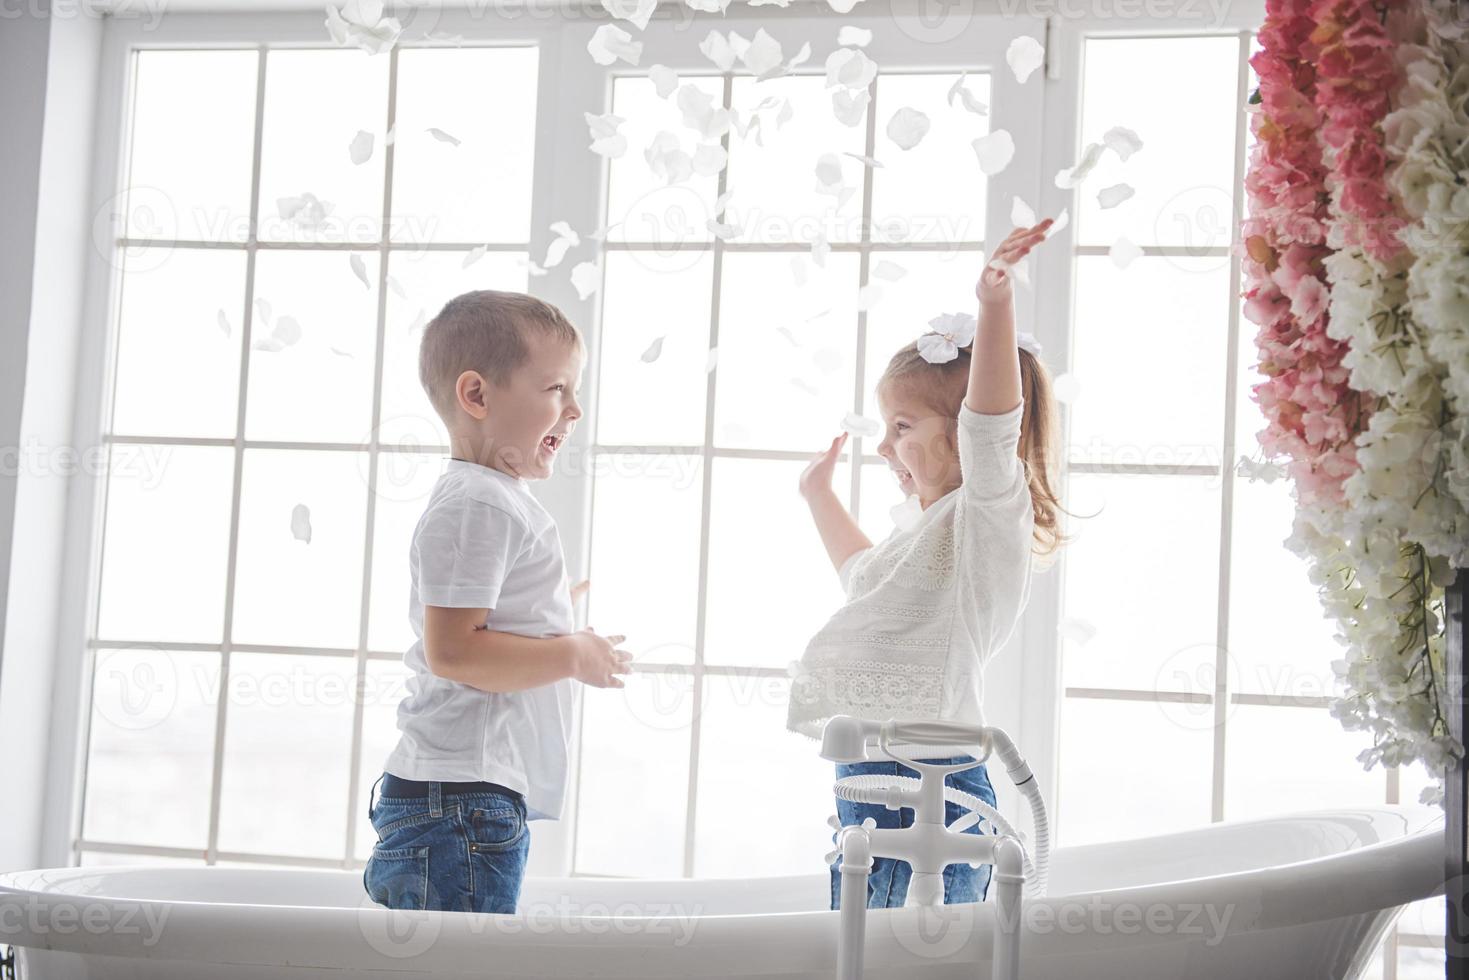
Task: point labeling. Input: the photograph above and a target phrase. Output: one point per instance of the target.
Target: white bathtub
(1295, 897)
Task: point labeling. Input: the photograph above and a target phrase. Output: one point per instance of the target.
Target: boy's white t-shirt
(485, 542)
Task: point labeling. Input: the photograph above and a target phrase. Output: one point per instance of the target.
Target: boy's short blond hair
(485, 331)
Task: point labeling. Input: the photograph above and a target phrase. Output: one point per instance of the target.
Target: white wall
(48, 96)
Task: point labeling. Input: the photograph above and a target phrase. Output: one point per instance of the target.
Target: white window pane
(1143, 574)
(1151, 335)
(193, 135)
(1280, 641)
(316, 101)
(289, 591)
(429, 280)
(764, 792)
(404, 481)
(1106, 794)
(645, 553)
(384, 686)
(1184, 174)
(318, 389)
(151, 756)
(171, 347)
(933, 283)
(1280, 759)
(479, 190)
(663, 298)
(785, 375)
(880, 494)
(775, 195)
(913, 193)
(1417, 963)
(166, 543)
(287, 753)
(641, 206)
(771, 585)
(1425, 918)
(635, 736)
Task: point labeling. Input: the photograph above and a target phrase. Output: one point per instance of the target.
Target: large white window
(270, 449)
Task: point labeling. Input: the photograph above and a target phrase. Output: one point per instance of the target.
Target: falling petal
(785, 114)
(708, 6)
(829, 178)
(585, 277)
(360, 149)
(301, 523)
(305, 212)
(888, 270)
(1123, 141)
(850, 105)
(224, 323)
(1123, 252)
(610, 43)
(287, 330)
(566, 238)
(786, 333)
(806, 387)
(338, 351)
(800, 57)
(994, 151)
(798, 269)
(654, 350)
(851, 68)
(709, 159)
(820, 249)
(1024, 55)
(858, 37)
(1076, 629)
(712, 360)
(1021, 215)
(392, 134)
(866, 161)
(359, 268)
(419, 322)
(362, 25)
(442, 136)
(1065, 387)
(1062, 220)
(967, 97)
(843, 6)
(868, 296)
(1072, 176)
(263, 308)
(862, 428)
(633, 11)
(397, 288)
(907, 127)
(721, 202)
(667, 159)
(763, 55)
(723, 231)
(472, 256)
(664, 79)
(606, 140)
(1110, 197)
(716, 48)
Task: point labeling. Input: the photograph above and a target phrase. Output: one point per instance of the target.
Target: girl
(968, 433)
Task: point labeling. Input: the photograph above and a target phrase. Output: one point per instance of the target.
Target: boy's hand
(817, 476)
(994, 282)
(595, 659)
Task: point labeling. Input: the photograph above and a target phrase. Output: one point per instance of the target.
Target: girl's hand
(994, 283)
(817, 476)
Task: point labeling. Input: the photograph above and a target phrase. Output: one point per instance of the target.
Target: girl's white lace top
(930, 604)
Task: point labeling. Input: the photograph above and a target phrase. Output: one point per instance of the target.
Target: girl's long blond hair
(942, 387)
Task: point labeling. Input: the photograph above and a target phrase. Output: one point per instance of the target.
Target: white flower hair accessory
(952, 331)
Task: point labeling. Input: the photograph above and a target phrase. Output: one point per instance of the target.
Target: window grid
(374, 449)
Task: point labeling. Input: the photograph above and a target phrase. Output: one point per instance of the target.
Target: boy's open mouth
(553, 441)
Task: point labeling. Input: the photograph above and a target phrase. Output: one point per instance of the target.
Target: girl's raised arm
(994, 363)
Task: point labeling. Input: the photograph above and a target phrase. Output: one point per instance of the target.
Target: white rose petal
(888, 270)
(907, 127)
(1072, 176)
(359, 268)
(967, 97)
(1123, 252)
(1021, 215)
(360, 149)
(1110, 197)
(857, 37)
(1123, 141)
(611, 43)
(654, 351)
(1024, 56)
(862, 428)
(585, 277)
(850, 105)
(442, 136)
(994, 151)
(664, 79)
(301, 523)
(716, 48)
(634, 11)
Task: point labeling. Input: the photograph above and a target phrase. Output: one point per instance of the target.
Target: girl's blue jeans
(887, 885)
(446, 850)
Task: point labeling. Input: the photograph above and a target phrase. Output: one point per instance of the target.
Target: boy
(487, 720)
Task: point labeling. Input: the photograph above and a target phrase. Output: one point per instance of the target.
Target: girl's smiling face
(918, 444)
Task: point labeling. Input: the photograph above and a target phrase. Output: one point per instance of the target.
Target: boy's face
(527, 420)
(916, 445)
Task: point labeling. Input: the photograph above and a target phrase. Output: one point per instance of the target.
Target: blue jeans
(446, 850)
(887, 885)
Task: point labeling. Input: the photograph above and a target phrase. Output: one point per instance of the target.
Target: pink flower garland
(1355, 79)
(1312, 414)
